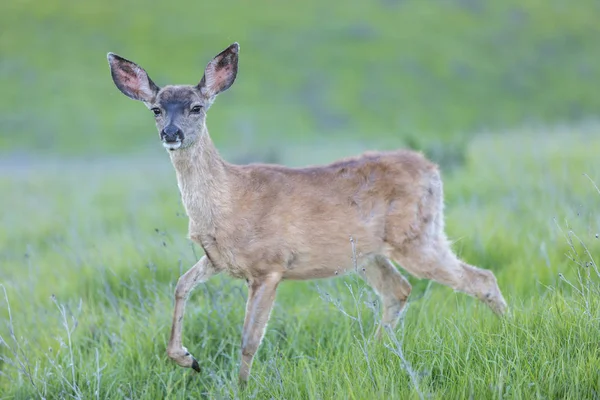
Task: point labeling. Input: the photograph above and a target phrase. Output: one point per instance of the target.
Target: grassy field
(90, 278)
(417, 72)
(93, 234)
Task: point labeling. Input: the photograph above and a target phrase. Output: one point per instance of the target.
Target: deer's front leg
(200, 272)
(261, 297)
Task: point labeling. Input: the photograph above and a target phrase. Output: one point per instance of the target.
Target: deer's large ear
(131, 79)
(220, 73)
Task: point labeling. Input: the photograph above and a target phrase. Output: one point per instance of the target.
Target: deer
(267, 223)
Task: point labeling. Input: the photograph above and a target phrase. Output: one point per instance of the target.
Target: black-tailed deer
(269, 223)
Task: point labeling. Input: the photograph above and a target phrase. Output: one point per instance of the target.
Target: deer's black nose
(171, 134)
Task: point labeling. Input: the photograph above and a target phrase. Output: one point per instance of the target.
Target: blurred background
(382, 73)
(503, 94)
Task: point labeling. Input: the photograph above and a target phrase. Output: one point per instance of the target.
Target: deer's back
(356, 182)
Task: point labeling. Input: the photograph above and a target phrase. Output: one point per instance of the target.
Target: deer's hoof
(195, 365)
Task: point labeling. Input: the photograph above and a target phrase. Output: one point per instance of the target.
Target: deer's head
(179, 111)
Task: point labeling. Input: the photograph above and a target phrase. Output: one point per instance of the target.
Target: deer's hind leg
(418, 243)
(392, 288)
(435, 260)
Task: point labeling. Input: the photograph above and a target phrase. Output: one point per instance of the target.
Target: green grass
(94, 247)
(408, 70)
(92, 232)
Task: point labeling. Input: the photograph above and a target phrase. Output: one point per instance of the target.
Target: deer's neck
(203, 180)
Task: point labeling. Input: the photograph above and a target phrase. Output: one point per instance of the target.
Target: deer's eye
(196, 109)
(156, 111)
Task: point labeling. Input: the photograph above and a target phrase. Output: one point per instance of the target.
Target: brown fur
(268, 223)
